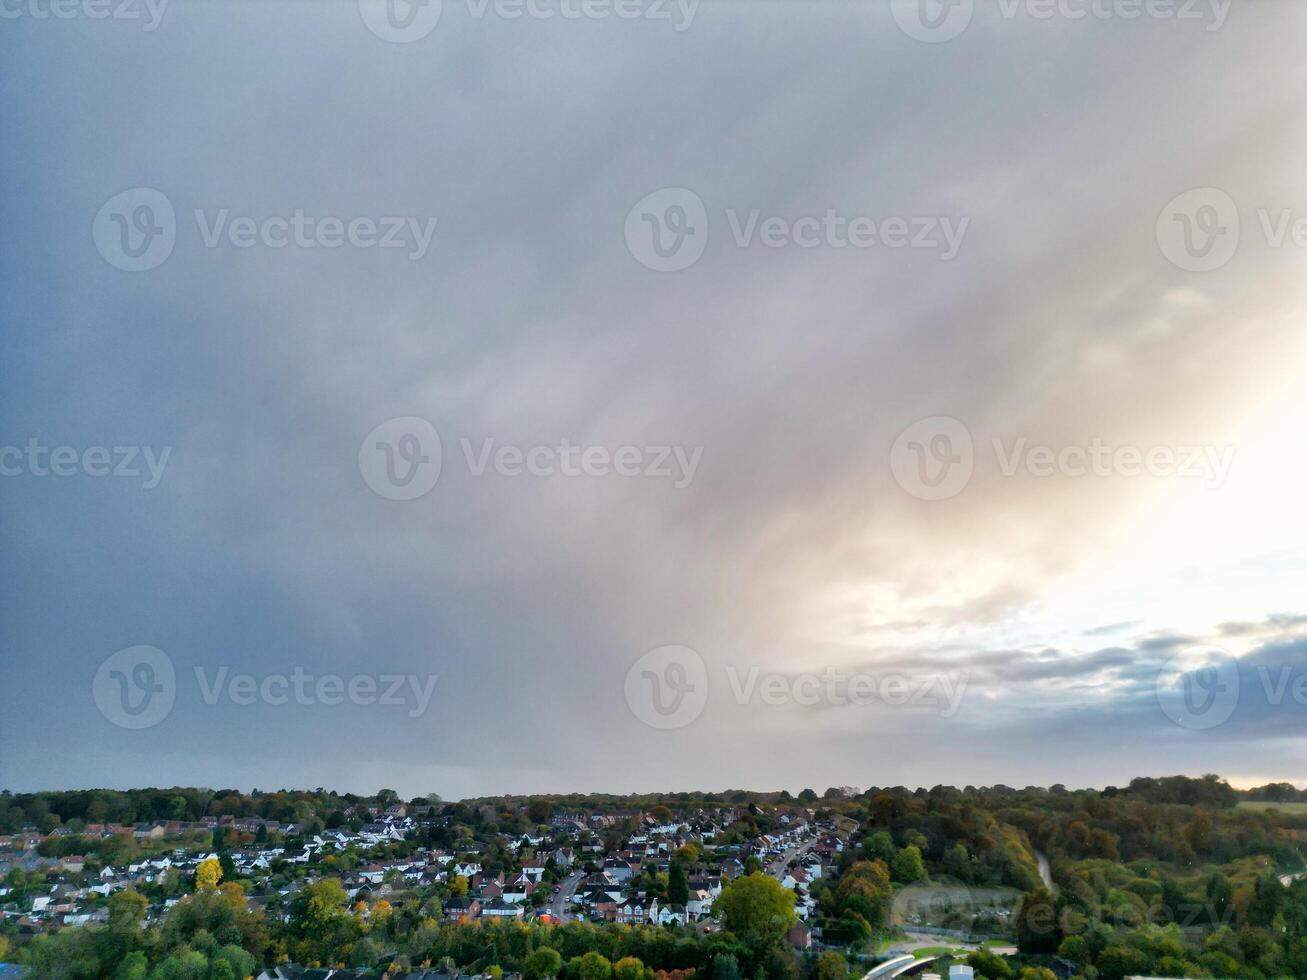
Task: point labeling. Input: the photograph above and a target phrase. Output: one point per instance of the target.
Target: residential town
(1167, 876)
(559, 872)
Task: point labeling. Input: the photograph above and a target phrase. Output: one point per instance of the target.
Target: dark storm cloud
(528, 321)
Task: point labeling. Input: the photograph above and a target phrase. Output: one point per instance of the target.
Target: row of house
(797, 853)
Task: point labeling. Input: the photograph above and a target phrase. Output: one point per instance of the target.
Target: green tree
(864, 891)
(593, 966)
(1219, 894)
(989, 965)
(757, 909)
(127, 911)
(850, 929)
(364, 953)
(319, 921)
(957, 862)
(543, 963)
(134, 966)
(881, 845)
(725, 967)
(1117, 962)
(628, 968)
(1268, 897)
(908, 866)
(781, 964)
(832, 966)
(678, 884)
(1036, 922)
(688, 854)
(184, 964)
(228, 866)
(123, 932)
(242, 963)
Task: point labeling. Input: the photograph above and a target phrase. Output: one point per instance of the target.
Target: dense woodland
(1173, 877)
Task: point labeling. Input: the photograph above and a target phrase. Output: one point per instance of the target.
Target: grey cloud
(527, 321)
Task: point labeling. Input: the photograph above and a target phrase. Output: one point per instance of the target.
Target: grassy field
(927, 951)
(1297, 809)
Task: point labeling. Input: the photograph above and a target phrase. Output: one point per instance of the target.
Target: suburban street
(777, 868)
(560, 905)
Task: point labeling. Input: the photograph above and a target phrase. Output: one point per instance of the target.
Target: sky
(485, 397)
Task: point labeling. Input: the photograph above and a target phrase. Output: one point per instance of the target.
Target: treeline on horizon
(48, 810)
(1165, 876)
